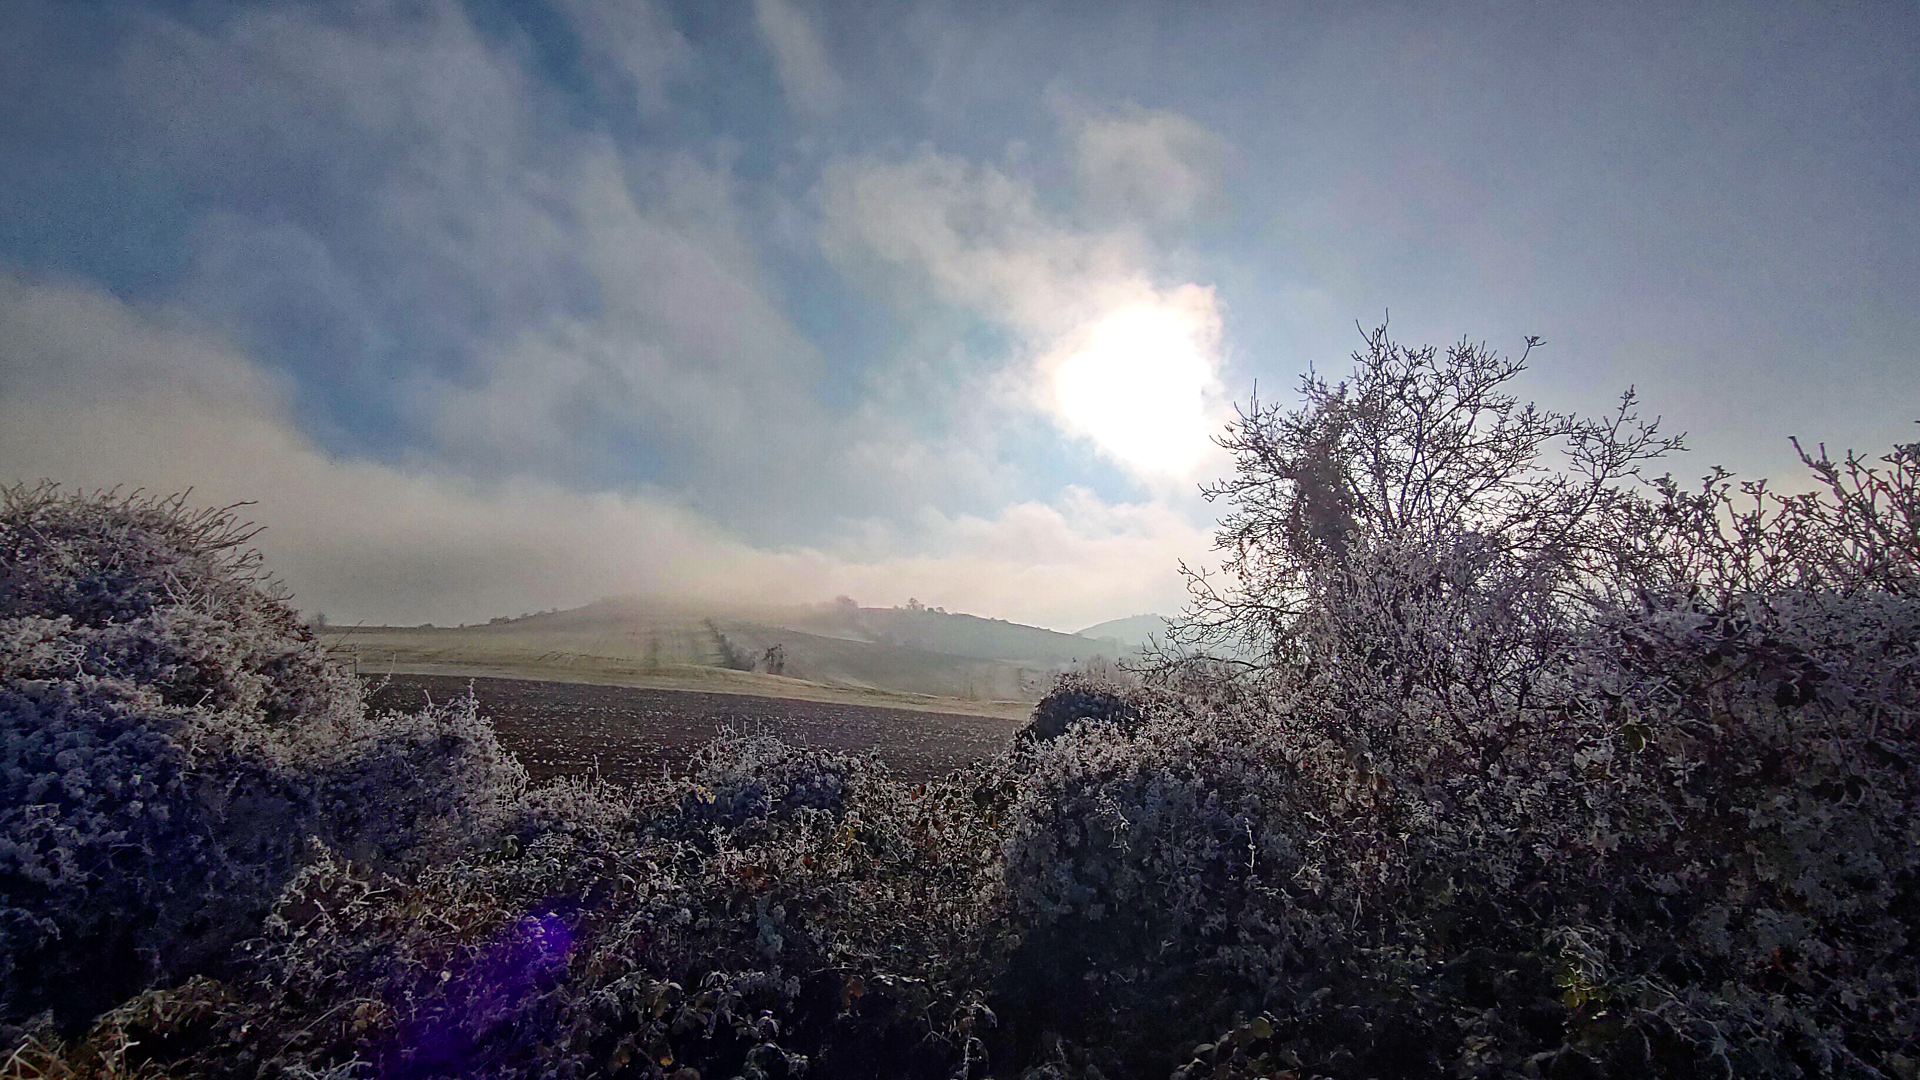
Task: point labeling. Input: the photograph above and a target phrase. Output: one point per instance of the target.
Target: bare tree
(1424, 463)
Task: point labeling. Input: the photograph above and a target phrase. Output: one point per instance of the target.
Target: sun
(1139, 383)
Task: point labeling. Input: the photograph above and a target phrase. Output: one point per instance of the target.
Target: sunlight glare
(1138, 385)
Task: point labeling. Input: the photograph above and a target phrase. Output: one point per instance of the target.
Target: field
(624, 732)
(882, 657)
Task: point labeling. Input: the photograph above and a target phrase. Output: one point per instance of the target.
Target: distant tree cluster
(1490, 752)
(731, 656)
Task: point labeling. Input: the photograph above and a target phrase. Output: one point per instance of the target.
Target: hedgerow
(1488, 753)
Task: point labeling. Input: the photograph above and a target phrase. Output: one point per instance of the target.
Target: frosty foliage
(619, 932)
(1091, 693)
(170, 737)
(1542, 767)
(1489, 753)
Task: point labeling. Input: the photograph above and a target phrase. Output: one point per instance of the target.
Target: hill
(1134, 631)
(907, 657)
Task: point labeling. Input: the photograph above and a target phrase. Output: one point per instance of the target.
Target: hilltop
(1134, 631)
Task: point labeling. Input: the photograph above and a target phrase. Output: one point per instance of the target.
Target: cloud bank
(469, 358)
(101, 394)
(501, 306)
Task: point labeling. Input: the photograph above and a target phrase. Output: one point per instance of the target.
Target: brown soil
(624, 732)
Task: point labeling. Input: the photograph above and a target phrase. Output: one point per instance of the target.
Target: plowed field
(572, 729)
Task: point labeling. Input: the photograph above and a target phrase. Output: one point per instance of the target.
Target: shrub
(625, 933)
(172, 736)
(1081, 695)
(137, 838)
(1141, 870)
(384, 890)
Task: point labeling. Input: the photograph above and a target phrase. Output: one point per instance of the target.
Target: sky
(489, 307)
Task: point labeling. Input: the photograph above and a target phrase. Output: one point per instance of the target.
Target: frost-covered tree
(1537, 762)
(1419, 494)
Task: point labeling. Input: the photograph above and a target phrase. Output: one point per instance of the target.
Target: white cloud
(95, 393)
(1152, 166)
(812, 87)
(683, 350)
(979, 238)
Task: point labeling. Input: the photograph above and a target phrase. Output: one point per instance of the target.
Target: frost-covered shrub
(170, 737)
(1082, 695)
(424, 913)
(739, 779)
(569, 805)
(625, 933)
(1752, 769)
(397, 790)
(136, 838)
(1704, 863)
(1142, 866)
(180, 602)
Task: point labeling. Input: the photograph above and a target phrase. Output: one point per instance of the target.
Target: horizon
(493, 306)
(322, 621)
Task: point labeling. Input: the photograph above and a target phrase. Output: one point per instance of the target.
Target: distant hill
(800, 651)
(940, 631)
(1134, 631)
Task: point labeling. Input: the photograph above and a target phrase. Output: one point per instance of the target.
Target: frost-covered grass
(1473, 767)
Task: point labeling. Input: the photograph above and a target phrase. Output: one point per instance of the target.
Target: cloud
(977, 237)
(447, 275)
(1151, 166)
(632, 40)
(682, 351)
(472, 357)
(98, 393)
(806, 73)
(1074, 298)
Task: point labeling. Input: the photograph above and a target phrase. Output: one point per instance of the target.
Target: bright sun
(1138, 383)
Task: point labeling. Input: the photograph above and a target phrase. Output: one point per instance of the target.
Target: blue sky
(496, 306)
